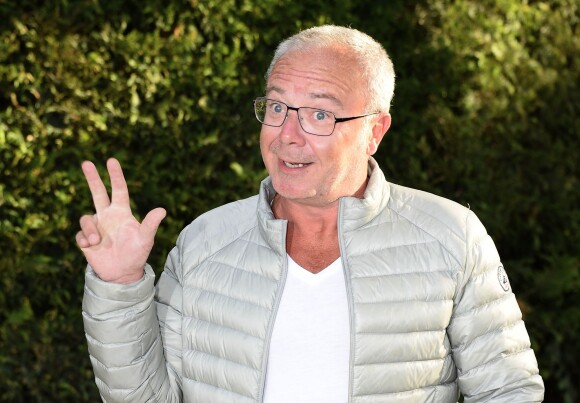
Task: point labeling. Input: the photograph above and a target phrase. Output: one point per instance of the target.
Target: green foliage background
(485, 113)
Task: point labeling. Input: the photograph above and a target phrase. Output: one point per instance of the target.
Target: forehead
(323, 75)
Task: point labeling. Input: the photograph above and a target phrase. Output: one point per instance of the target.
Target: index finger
(96, 185)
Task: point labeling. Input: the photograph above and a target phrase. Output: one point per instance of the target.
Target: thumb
(151, 222)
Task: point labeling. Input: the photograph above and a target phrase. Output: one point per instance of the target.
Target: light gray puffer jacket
(431, 310)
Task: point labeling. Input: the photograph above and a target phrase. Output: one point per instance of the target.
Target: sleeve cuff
(121, 294)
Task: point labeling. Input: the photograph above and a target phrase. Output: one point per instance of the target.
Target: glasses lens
(317, 121)
(270, 112)
(314, 121)
(260, 109)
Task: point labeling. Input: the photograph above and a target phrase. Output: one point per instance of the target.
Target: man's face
(317, 170)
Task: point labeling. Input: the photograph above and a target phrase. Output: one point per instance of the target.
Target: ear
(379, 128)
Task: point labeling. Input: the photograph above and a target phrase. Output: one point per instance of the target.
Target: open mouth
(295, 164)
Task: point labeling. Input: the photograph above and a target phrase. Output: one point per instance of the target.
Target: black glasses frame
(292, 108)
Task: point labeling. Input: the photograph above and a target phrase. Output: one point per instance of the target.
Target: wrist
(126, 279)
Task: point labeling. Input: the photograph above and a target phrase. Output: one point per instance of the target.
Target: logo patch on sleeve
(503, 278)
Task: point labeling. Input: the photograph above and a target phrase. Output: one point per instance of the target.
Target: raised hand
(115, 244)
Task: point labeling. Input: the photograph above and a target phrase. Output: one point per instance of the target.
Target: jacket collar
(353, 212)
(356, 213)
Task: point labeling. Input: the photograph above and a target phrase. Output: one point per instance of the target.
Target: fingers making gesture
(115, 244)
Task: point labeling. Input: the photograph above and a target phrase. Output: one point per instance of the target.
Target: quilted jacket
(431, 310)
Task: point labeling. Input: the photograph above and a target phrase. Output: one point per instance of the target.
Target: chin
(291, 192)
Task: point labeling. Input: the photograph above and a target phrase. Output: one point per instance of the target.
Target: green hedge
(485, 112)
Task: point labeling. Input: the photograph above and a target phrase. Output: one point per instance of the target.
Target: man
(331, 285)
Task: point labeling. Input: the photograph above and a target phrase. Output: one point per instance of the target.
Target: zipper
(348, 283)
(270, 329)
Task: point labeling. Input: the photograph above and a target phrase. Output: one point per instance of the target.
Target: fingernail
(93, 239)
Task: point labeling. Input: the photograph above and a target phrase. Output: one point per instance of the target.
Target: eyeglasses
(318, 122)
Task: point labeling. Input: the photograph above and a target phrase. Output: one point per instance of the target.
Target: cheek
(266, 139)
(265, 151)
(348, 154)
(320, 151)
(262, 142)
(347, 147)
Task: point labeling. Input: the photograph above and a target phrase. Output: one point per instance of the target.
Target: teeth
(290, 165)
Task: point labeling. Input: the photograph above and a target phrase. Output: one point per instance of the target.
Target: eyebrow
(273, 88)
(323, 95)
(313, 95)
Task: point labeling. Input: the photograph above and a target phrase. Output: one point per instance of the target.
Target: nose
(291, 130)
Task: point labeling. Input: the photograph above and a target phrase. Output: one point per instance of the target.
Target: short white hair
(377, 67)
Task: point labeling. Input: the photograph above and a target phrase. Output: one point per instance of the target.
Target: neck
(312, 237)
(312, 233)
(315, 218)
(318, 209)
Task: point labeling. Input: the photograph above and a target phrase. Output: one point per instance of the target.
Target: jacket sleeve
(134, 342)
(491, 347)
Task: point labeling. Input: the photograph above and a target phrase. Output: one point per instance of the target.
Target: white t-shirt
(310, 346)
